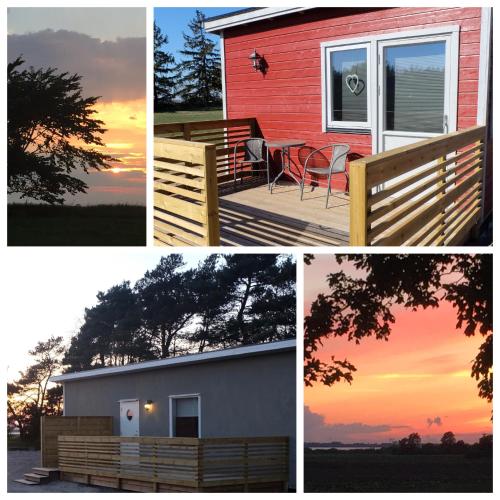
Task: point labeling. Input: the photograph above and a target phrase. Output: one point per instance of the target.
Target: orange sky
(421, 373)
(107, 48)
(125, 140)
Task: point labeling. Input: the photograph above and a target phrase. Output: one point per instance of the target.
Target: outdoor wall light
(148, 405)
(256, 60)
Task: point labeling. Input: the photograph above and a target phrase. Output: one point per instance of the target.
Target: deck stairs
(39, 475)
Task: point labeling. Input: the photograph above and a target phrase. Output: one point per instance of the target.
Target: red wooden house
(409, 90)
(374, 78)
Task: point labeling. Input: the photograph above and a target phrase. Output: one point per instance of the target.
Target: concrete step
(26, 482)
(36, 478)
(51, 473)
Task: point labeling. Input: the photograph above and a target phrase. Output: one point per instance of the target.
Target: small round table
(284, 147)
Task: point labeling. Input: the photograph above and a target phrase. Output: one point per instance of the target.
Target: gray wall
(243, 397)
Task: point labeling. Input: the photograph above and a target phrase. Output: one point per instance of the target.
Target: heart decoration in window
(130, 414)
(352, 82)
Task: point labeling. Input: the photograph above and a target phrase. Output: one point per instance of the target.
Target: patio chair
(253, 149)
(337, 166)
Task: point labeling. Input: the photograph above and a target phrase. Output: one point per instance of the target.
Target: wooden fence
(186, 205)
(52, 427)
(428, 193)
(176, 464)
(223, 134)
(192, 162)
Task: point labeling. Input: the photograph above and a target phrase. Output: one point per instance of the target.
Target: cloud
(115, 70)
(436, 421)
(317, 430)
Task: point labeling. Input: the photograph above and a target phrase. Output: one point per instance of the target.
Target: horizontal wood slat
(191, 463)
(185, 193)
(419, 189)
(51, 427)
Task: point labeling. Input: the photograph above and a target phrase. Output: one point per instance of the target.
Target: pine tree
(164, 68)
(200, 70)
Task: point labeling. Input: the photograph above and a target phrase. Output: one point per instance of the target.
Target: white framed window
(185, 415)
(410, 89)
(348, 84)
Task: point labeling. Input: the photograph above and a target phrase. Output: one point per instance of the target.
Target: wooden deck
(254, 217)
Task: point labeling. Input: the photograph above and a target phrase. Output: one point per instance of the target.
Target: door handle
(445, 124)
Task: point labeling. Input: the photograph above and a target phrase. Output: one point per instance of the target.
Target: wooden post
(199, 473)
(358, 229)
(186, 131)
(211, 189)
(441, 193)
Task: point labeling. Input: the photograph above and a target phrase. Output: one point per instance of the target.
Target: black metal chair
(253, 149)
(337, 165)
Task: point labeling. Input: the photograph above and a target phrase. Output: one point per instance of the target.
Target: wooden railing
(51, 427)
(222, 133)
(176, 464)
(427, 193)
(186, 205)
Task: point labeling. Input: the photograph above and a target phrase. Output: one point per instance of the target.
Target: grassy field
(99, 225)
(188, 116)
(377, 472)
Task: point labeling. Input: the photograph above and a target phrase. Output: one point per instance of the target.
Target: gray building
(241, 392)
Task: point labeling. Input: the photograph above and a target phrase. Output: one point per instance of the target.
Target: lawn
(188, 116)
(384, 472)
(98, 225)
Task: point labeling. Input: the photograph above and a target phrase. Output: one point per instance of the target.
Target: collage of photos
(328, 353)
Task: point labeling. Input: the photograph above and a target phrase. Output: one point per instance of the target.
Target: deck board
(255, 217)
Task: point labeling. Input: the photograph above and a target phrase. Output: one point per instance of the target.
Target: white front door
(129, 417)
(417, 89)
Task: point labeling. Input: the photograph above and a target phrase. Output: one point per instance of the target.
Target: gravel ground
(20, 462)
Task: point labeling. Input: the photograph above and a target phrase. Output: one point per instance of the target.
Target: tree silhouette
(448, 440)
(362, 307)
(200, 70)
(164, 67)
(29, 397)
(412, 442)
(51, 133)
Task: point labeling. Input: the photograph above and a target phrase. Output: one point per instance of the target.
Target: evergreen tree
(211, 299)
(200, 70)
(166, 305)
(30, 397)
(164, 68)
(110, 334)
(51, 133)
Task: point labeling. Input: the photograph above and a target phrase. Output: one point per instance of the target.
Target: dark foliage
(51, 133)
(164, 73)
(226, 301)
(29, 397)
(200, 70)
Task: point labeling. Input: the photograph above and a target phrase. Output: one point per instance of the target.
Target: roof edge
(217, 24)
(204, 357)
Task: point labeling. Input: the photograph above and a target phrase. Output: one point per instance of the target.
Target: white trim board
(204, 357)
(483, 91)
(171, 397)
(215, 25)
(223, 75)
(484, 66)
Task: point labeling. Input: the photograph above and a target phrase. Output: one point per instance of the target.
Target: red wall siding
(287, 100)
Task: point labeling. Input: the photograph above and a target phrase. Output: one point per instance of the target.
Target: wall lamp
(148, 405)
(256, 60)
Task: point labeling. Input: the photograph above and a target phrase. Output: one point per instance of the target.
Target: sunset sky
(107, 46)
(418, 381)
